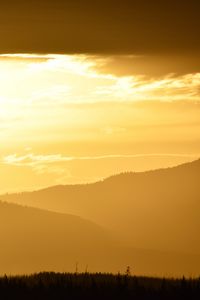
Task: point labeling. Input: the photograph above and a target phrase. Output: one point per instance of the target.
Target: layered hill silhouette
(152, 210)
(34, 240)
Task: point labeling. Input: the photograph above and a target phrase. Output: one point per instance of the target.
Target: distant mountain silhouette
(153, 210)
(34, 240)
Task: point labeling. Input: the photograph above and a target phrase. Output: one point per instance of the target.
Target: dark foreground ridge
(96, 286)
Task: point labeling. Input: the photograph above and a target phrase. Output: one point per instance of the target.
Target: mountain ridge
(197, 161)
(158, 209)
(34, 240)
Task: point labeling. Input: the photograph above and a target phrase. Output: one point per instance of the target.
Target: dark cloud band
(106, 26)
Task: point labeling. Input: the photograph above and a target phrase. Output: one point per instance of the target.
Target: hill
(153, 210)
(34, 240)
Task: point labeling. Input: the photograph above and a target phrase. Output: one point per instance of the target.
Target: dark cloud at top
(106, 26)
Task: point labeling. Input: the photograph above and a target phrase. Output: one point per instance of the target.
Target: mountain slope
(34, 240)
(153, 210)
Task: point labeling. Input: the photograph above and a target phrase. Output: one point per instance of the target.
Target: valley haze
(147, 220)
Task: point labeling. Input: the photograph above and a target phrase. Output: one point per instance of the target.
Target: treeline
(96, 286)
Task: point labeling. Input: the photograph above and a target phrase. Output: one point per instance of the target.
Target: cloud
(107, 85)
(70, 98)
(34, 160)
(92, 26)
(60, 79)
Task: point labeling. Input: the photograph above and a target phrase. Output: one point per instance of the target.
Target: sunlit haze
(74, 119)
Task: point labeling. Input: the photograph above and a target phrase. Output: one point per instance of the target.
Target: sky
(93, 88)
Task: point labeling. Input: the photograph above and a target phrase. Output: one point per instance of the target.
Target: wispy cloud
(29, 170)
(33, 160)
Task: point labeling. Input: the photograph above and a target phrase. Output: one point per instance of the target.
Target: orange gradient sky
(79, 118)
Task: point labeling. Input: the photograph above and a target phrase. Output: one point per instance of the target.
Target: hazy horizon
(138, 169)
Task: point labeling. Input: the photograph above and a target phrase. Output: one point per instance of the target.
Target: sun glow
(77, 78)
(65, 106)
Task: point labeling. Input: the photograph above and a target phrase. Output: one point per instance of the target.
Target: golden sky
(79, 118)
(91, 89)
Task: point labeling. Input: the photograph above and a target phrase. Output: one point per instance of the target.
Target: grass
(96, 286)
